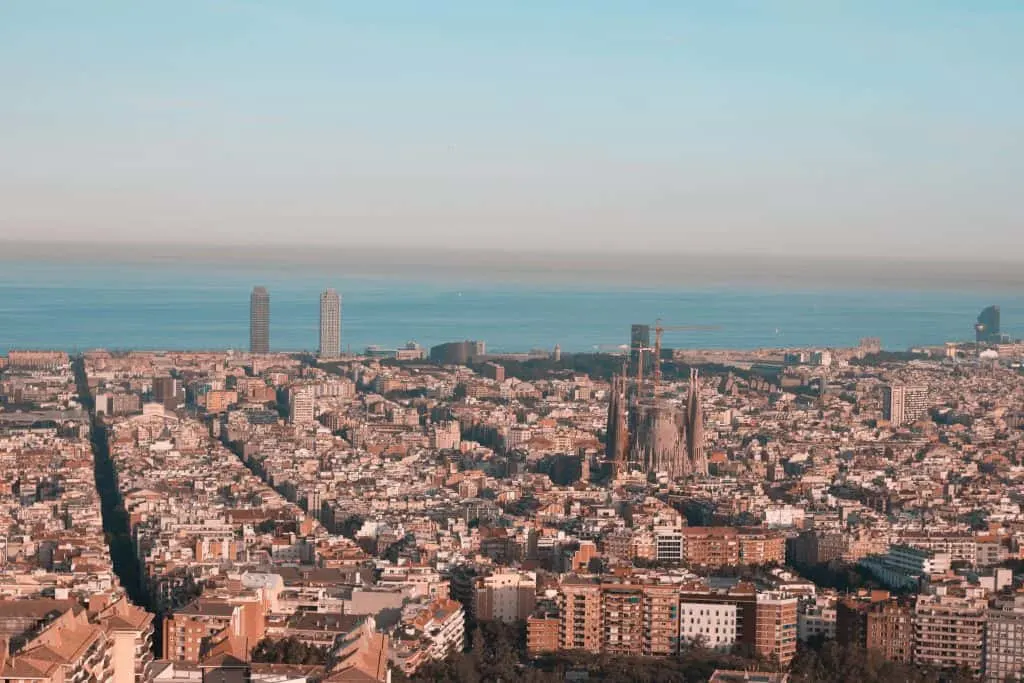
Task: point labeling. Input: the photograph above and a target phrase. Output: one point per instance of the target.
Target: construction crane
(659, 329)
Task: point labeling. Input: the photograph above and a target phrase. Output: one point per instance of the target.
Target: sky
(785, 127)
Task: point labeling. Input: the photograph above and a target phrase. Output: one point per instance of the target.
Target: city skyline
(376, 517)
(651, 341)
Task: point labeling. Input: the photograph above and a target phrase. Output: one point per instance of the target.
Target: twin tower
(330, 322)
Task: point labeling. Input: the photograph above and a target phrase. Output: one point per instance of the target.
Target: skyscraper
(330, 324)
(639, 343)
(987, 327)
(902, 404)
(259, 321)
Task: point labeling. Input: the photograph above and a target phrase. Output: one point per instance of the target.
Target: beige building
(580, 607)
(61, 642)
(776, 627)
(949, 628)
(506, 596)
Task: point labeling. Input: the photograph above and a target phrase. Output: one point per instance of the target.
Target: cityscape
(511, 342)
(413, 513)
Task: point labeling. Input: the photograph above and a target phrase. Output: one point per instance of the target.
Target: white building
(301, 405)
(816, 619)
(713, 624)
(444, 623)
(903, 566)
(903, 404)
(669, 544)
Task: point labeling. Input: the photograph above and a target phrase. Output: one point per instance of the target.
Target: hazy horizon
(803, 129)
(623, 270)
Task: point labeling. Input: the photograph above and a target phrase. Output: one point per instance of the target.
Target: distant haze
(629, 270)
(871, 129)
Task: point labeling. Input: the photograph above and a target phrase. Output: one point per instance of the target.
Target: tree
(288, 651)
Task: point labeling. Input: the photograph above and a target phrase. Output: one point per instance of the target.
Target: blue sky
(793, 127)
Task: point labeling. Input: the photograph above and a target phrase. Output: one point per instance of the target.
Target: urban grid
(452, 514)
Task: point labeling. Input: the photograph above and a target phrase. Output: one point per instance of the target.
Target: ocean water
(76, 306)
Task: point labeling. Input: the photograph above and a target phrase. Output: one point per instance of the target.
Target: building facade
(776, 627)
(301, 406)
(949, 629)
(903, 404)
(259, 321)
(1004, 640)
(330, 324)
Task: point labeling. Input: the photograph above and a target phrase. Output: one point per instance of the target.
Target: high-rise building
(639, 342)
(776, 627)
(259, 321)
(903, 404)
(661, 620)
(879, 623)
(458, 353)
(330, 324)
(949, 629)
(618, 617)
(580, 608)
(622, 617)
(1004, 640)
(301, 405)
(507, 596)
(542, 633)
(987, 327)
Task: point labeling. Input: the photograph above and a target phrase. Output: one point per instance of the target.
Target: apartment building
(622, 618)
(444, 623)
(542, 634)
(506, 596)
(879, 623)
(816, 619)
(617, 617)
(301, 405)
(904, 566)
(890, 630)
(949, 628)
(36, 360)
(903, 404)
(776, 627)
(191, 630)
(729, 546)
(743, 596)
(57, 641)
(661, 616)
(1004, 640)
(580, 608)
(710, 624)
(669, 544)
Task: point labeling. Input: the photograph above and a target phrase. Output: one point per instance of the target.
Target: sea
(85, 305)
